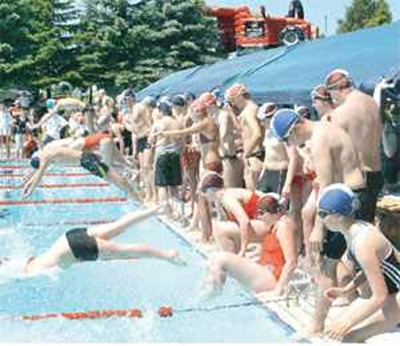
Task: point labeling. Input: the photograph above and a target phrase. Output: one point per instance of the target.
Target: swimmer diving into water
(94, 243)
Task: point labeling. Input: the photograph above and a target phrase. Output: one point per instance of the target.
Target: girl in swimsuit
(94, 243)
(278, 255)
(241, 208)
(375, 256)
(203, 126)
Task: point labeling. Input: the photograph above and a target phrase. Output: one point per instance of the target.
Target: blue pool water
(27, 230)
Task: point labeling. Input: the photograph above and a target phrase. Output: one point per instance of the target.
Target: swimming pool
(28, 229)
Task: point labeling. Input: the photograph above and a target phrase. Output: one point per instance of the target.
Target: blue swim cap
(35, 161)
(338, 199)
(50, 103)
(283, 121)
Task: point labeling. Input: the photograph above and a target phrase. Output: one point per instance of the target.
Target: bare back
(250, 126)
(359, 117)
(334, 156)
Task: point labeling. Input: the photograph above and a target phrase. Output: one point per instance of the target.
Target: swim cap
(303, 111)
(283, 122)
(269, 203)
(338, 199)
(199, 107)
(165, 107)
(216, 92)
(235, 91)
(189, 96)
(179, 101)
(50, 103)
(338, 79)
(208, 99)
(150, 101)
(321, 93)
(211, 180)
(35, 161)
(267, 110)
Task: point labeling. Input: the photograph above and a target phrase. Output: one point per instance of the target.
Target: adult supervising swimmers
(94, 243)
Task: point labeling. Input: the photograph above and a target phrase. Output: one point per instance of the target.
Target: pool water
(26, 230)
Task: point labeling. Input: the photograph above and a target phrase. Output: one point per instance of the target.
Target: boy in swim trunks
(94, 243)
(69, 156)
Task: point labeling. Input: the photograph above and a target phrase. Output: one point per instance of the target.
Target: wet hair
(211, 180)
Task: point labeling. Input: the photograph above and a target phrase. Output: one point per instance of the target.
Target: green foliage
(113, 43)
(364, 14)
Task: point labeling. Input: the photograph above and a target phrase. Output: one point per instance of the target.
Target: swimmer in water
(94, 243)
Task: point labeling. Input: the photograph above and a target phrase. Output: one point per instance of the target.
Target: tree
(127, 44)
(364, 14)
(36, 47)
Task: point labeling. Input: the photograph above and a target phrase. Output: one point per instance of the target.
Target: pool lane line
(12, 175)
(164, 311)
(57, 186)
(69, 223)
(66, 201)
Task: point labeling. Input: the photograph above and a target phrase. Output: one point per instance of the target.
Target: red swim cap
(235, 91)
(338, 79)
(208, 99)
(269, 203)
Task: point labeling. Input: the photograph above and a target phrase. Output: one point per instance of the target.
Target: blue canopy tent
(288, 74)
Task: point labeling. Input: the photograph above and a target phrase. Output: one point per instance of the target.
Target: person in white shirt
(5, 129)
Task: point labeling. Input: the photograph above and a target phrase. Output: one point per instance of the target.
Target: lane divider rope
(164, 312)
(66, 201)
(11, 175)
(57, 186)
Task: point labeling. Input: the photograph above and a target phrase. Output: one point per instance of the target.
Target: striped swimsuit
(390, 266)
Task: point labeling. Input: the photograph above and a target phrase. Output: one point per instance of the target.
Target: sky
(315, 10)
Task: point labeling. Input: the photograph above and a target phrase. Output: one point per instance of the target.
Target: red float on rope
(165, 311)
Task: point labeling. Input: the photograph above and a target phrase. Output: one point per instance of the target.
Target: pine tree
(364, 14)
(15, 42)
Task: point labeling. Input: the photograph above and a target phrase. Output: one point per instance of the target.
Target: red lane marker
(66, 201)
(97, 314)
(56, 186)
(47, 175)
(68, 223)
(27, 166)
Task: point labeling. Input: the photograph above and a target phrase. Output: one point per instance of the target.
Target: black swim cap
(179, 101)
(165, 107)
(35, 161)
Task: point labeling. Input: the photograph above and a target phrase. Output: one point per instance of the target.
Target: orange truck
(240, 29)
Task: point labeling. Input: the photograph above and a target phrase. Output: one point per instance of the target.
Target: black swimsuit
(94, 165)
(83, 246)
(390, 268)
